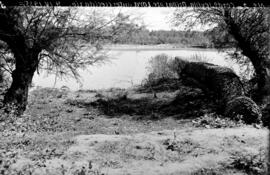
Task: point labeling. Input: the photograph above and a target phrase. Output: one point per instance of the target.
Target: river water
(126, 68)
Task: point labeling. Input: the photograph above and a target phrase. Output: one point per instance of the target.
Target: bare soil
(64, 132)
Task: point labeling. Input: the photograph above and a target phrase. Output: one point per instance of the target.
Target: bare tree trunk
(260, 62)
(18, 92)
(263, 83)
(22, 77)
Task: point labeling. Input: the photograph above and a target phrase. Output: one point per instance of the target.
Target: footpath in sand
(165, 152)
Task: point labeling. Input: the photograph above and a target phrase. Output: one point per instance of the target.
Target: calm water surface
(127, 68)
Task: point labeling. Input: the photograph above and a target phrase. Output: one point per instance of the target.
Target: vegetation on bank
(179, 38)
(40, 38)
(55, 120)
(167, 123)
(178, 120)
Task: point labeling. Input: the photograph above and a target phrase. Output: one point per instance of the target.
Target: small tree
(58, 40)
(244, 29)
(127, 26)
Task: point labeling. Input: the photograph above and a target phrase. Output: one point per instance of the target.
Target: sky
(155, 18)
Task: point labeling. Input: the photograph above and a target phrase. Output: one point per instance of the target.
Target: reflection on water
(126, 69)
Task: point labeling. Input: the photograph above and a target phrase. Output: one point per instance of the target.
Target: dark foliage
(181, 38)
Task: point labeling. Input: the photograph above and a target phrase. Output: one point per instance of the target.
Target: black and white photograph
(149, 89)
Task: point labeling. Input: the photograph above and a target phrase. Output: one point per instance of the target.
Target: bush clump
(245, 107)
(162, 73)
(213, 120)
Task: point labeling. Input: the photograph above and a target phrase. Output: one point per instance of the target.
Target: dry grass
(58, 136)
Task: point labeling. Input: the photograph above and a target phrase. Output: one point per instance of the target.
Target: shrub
(162, 71)
(213, 120)
(160, 67)
(164, 67)
(197, 58)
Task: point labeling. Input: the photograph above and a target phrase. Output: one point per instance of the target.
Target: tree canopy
(59, 40)
(64, 40)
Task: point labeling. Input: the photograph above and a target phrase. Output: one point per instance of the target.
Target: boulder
(226, 86)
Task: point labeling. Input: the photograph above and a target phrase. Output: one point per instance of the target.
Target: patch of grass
(50, 123)
(182, 148)
(184, 103)
(217, 171)
(87, 91)
(108, 147)
(160, 85)
(8, 160)
(46, 93)
(189, 103)
(208, 171)
(213, 120)
(250, 163)
(114, 107)
(77, 102)
(145, 151)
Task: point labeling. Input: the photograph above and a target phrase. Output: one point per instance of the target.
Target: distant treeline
(181, 38)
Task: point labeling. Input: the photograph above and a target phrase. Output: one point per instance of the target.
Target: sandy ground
(150, 153)
(70, 139)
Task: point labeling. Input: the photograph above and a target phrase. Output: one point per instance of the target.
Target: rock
(226, 86)
(221, 80)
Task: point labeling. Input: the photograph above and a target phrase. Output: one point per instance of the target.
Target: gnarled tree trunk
(227, 87)
(263, 83)
(22, 76)
(260, 61)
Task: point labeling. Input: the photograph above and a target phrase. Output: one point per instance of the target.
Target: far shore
(133, 47)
